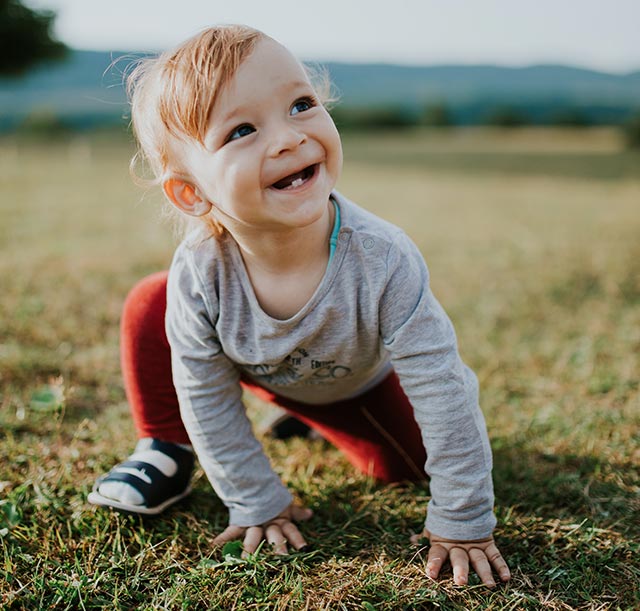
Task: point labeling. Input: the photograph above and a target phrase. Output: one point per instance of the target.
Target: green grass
(527, 151)
(540, 271)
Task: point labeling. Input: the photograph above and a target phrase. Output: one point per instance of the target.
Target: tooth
(297, 182)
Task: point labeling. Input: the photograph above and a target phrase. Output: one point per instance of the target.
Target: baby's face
(272, 154)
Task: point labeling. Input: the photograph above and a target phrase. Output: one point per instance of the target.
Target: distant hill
(473, 92)
(83, 90)
(87, 90)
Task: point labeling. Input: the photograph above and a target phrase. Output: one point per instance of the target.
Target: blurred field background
(532, 238)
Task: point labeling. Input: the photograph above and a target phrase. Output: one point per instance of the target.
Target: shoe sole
(95, 498)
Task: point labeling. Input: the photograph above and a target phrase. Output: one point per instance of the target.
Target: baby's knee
(146, 303)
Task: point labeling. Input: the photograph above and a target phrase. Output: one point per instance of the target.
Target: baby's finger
(436, 558)
(300, 514)
(273, 534)
(460, 564)
(498, 562)
(292, 534)
(481, 566)
(231, 533)
(251, 541)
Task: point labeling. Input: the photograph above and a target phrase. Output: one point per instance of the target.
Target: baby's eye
(240, 132)
(302, 104)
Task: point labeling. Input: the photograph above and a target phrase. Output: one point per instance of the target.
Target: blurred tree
(507, 116)
(43, 123)
(436, 115)
(372, 118)
(25, 38)
(632, 131)
(569, 117)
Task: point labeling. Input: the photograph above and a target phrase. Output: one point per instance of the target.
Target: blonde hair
(172, 96)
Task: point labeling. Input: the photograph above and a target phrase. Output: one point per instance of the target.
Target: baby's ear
(184, 196)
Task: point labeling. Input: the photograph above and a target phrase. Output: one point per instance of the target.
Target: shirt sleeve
(210, 397)
(444, 394)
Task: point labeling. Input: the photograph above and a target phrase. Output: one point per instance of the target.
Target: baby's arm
(444, 394)
(210, 397)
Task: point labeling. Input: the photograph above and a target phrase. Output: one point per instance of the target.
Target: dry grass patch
(540, 274)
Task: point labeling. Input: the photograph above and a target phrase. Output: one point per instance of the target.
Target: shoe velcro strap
(183, 458)
(154, 486)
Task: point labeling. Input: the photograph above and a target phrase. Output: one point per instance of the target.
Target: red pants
(376, 430)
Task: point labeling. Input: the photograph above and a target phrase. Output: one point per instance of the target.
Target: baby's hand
(482, 553)
(278, 532)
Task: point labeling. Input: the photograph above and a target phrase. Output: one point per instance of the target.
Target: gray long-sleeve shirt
(373, 311)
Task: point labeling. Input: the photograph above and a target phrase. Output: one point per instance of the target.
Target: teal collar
(333, 240)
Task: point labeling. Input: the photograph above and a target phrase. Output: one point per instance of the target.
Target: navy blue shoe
(158, 490)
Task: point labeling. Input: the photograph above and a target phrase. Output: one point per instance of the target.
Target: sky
(599, 34)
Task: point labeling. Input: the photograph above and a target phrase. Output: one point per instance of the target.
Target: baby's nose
(287, 139)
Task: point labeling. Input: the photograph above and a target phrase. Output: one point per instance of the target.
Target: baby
(286, 289)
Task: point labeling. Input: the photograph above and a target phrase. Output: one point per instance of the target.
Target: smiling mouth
(295, 180)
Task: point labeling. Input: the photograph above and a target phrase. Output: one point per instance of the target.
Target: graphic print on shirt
(299, 368)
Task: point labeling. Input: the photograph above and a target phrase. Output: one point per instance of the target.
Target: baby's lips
(299, 175)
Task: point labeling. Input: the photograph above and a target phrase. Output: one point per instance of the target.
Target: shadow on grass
(568, 487)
